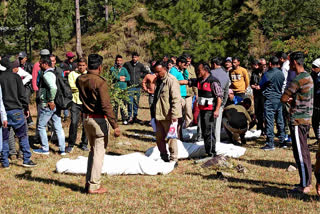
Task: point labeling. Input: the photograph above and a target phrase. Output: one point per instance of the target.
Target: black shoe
(283, 145)
(84, 148)
(267, 148)
(30, 163)
(176, 165)
(69, 149)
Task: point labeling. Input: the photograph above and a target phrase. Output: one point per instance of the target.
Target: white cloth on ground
(130, 164)
(197, 150)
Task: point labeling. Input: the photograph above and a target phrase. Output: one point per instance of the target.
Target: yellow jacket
(72, 77)
(239, 80)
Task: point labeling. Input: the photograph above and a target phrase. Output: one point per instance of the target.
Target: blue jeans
(16, 121)
(134, 96)
(272, 108)
(45, 114)
(0, 139)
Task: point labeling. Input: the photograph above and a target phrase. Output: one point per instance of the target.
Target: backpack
(63, 99)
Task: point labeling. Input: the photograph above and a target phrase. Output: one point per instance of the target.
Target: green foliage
(203, 28)
(118, 96)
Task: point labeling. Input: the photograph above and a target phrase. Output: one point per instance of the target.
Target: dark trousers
(242, 95)
(151, 97)
(73, 130)
(286, 117)
(273, 108)
(208, 129)
(133, 105)
(122, 111)
(258, 109)
(299, 135)
(316, 122)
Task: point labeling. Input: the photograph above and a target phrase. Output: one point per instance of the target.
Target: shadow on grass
(279, 192)
(139, 137)
(270, 163)
(142, 132)
(265, 187)
(27, 176)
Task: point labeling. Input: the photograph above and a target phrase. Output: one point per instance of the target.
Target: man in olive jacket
(166, 110)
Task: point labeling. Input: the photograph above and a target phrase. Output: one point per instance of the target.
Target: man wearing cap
(237, 120)
(36, 69)
(17, 109)
(316, 117)
(25, 72)
(68, 65)
(48, 110)
(24, 64)
(97, 112)
(228, 64)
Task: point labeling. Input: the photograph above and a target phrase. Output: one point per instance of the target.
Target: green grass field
(264, 188)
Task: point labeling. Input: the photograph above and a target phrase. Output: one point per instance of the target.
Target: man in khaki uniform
(166, 109)
(97, 109)
(191, 91)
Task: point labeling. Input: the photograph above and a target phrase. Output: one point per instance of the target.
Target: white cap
(316, 63)
(2, 68)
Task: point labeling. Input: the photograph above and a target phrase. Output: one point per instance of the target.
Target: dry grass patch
(265, 188)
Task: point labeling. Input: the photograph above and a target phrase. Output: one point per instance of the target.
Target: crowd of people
(214, 96)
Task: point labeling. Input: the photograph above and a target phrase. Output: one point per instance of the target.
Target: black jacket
(27, 67)
(13, 91)
(255, 79)
(137, 72)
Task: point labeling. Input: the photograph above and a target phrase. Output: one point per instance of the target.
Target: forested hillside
(247, 28)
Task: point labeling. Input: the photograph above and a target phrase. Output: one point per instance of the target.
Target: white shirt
(25, 76)
(2, 109)
(285, 69)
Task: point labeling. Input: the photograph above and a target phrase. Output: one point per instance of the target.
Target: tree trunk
(78, 31)
(106, 10)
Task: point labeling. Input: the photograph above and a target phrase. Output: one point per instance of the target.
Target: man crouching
(166, 109)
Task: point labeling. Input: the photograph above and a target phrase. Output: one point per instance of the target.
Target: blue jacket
(271, 84)
(177, 74)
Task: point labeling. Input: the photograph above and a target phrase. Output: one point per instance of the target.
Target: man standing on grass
(136, 71)
(16, 105)
(97, 111)
(48, 110)
(166, 109)
(239, 78)
(300, 96)
(316, 104)
(76, 108)
(271, 86)
(316, 117)
(121, 77)
(210, 97)
(219, 73)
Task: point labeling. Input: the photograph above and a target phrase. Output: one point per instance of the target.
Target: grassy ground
(265, 188)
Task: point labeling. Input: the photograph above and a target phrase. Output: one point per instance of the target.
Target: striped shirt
(301, 90)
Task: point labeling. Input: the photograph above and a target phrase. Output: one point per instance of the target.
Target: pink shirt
(35, 71)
